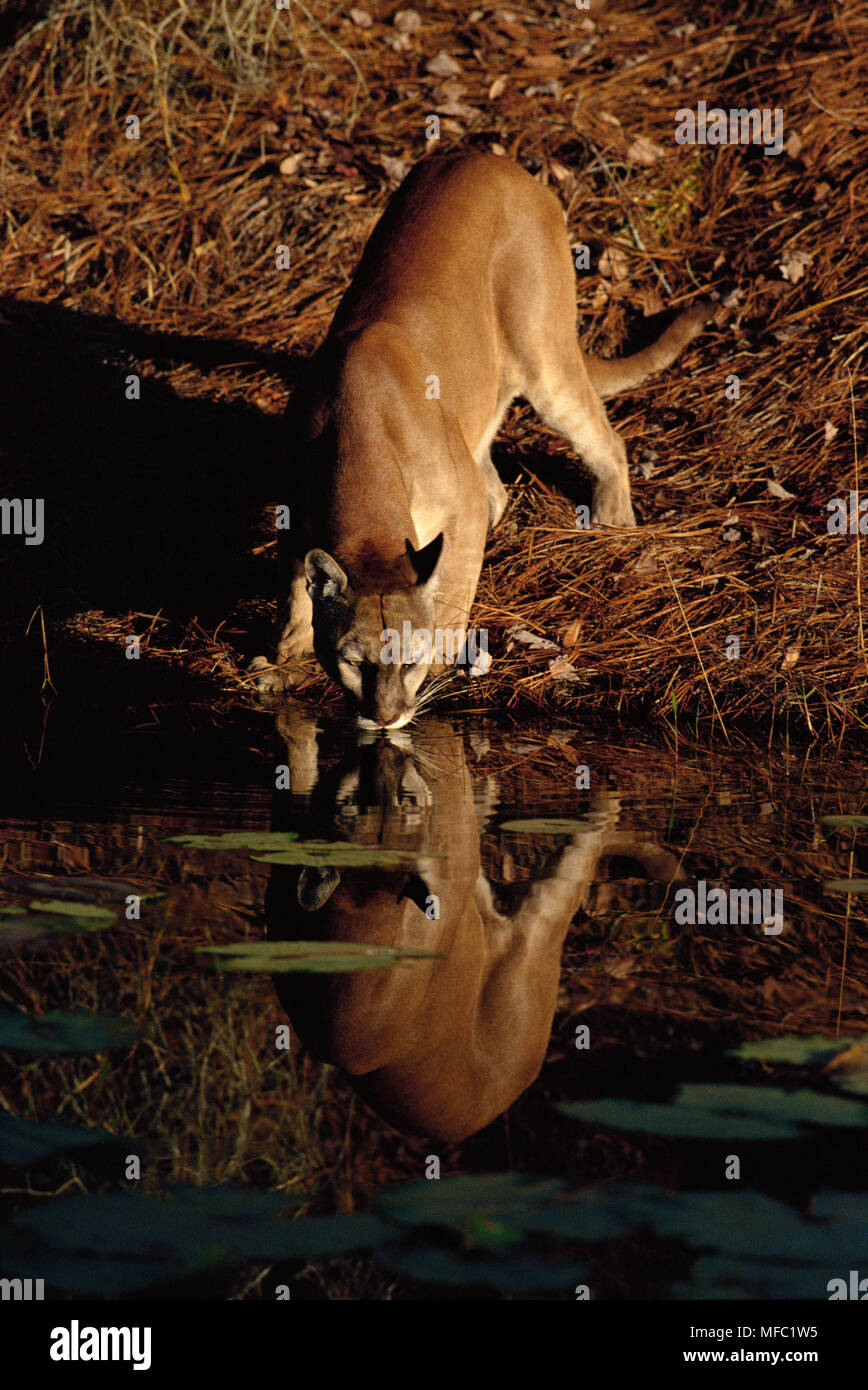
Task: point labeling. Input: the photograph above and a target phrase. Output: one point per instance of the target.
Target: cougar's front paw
(270, 680)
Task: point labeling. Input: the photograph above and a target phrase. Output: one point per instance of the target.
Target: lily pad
(815, 1050)
(17, 924)
(78, 887)
(237, 840)
(310, 957)
(121, 1242)
(87, 916)
(55, 1033)
(723, 1112)
(20, 924)
(23, 1144)
(507, 1197)
(341, 854)
(510, 1273)
(722, 1277)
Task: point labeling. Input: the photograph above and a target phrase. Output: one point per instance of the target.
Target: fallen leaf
(777, 491)
(572, 633)
(614, 265)
(407, 21)
(291, 163)
(530, 639)
(560, 669)
(481, 665)
(553, 88)
(651, 300)
(496, 88)
(456, 108)
(644, 151)
(791, 656)
(443, 66)
(361, 18)
(792, 267)
(622, 968)
(396, 168)
(829, 431)
(793, 144)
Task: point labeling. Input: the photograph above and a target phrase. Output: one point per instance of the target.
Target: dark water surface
(548, 883)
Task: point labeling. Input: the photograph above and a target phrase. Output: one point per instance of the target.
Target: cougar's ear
(416, 889)
(325, 578)
(426, 560)
(315, 887)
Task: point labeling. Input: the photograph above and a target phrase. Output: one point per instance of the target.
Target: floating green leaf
(846, 885)
(77, 887)
(716, 1277)
(815, 1050)
(453, 1201)
(86, 916)
(23, 1144)
(522, 1271)
(17, 924)
(342, 855)
(852, 821)
(723, 1112)
(121, 1242)
(58, 1032)
(21, 925)
(237, 840)
(311, 957)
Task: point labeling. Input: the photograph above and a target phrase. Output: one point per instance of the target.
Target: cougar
(463, 300)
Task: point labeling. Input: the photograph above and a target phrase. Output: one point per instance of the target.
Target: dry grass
(156, 256)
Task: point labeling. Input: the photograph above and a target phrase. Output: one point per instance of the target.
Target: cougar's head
(379, 647)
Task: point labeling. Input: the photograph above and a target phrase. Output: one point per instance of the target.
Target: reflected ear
(315, 887)
(416, 889)
(325, 578)
(426, 560)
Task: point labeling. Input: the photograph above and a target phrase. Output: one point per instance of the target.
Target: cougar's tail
(609, 376)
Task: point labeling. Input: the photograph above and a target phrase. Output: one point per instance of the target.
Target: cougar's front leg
(293, 631)
(292, 642)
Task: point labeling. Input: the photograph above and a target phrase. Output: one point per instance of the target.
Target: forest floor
(732, 606)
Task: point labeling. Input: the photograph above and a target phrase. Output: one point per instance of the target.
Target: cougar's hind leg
(495, 492)
(564, 398)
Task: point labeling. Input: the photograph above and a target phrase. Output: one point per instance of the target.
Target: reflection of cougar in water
(439, 1048)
